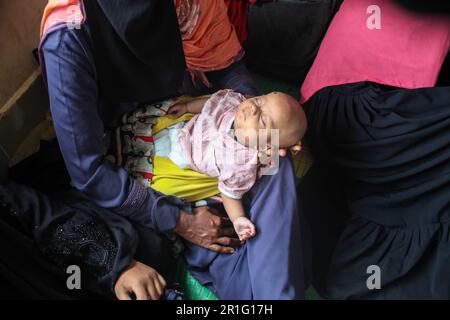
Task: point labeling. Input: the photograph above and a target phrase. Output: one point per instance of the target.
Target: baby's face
(271, 111)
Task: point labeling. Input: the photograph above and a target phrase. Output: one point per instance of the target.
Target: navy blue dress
(270, 266)
(82, 116)
(380, 191)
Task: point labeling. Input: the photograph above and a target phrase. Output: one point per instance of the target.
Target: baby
(220, 142)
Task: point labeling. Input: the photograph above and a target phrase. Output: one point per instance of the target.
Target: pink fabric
(210, 147)
(407, 52)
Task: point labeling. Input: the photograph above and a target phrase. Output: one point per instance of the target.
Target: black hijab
(427, 6)
(137, 49)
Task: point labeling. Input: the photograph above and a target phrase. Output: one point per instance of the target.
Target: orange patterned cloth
(57, 12)
(209, 39)
(238, 14)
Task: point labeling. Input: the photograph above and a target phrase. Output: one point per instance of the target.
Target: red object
(238, 14)
(146, 175)
(145, 138)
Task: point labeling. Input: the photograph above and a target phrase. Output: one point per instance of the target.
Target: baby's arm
(244, 228)
(194, 106)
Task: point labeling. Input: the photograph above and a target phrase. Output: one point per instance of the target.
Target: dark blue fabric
(82, 116)
(50, 233)
(270, 265)
(137, 48)
(391, 148)
(42, 236)
(234, 77)
(80, 121)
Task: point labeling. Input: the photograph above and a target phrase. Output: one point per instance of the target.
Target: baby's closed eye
(262, 120)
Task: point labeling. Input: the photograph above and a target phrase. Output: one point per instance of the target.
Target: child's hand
(178, 110)
(244, 228)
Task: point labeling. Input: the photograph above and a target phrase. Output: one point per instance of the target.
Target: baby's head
(275, 110)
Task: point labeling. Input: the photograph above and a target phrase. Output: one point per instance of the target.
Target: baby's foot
(244, 228)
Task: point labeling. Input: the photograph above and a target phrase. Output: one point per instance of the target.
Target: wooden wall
(19, 34)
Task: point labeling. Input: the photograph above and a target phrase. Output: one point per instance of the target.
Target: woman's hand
(205, 228)
(141, 281)
(295, 149)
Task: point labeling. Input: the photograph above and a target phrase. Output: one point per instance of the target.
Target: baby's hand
(178, 110)
(244, 228)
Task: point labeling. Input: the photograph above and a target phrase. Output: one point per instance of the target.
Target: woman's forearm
(74, 103)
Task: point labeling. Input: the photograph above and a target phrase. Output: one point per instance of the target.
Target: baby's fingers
(177, 110)
(247, 235)
(174, 111)
(252, 230)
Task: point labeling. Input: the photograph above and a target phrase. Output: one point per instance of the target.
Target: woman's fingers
(229, 242)
(152, 291)
(225, 222)
(139, 282)
(227, 232)
(123, 294)
(162, 281)
(158, 289)
(151, 288)
(141, 292)
(296, 148)
(160, 285)
(220, 249)
(208, 230)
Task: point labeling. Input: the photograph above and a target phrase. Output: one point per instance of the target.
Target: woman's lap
(391, 148)
(269, 266)
(55, 232)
